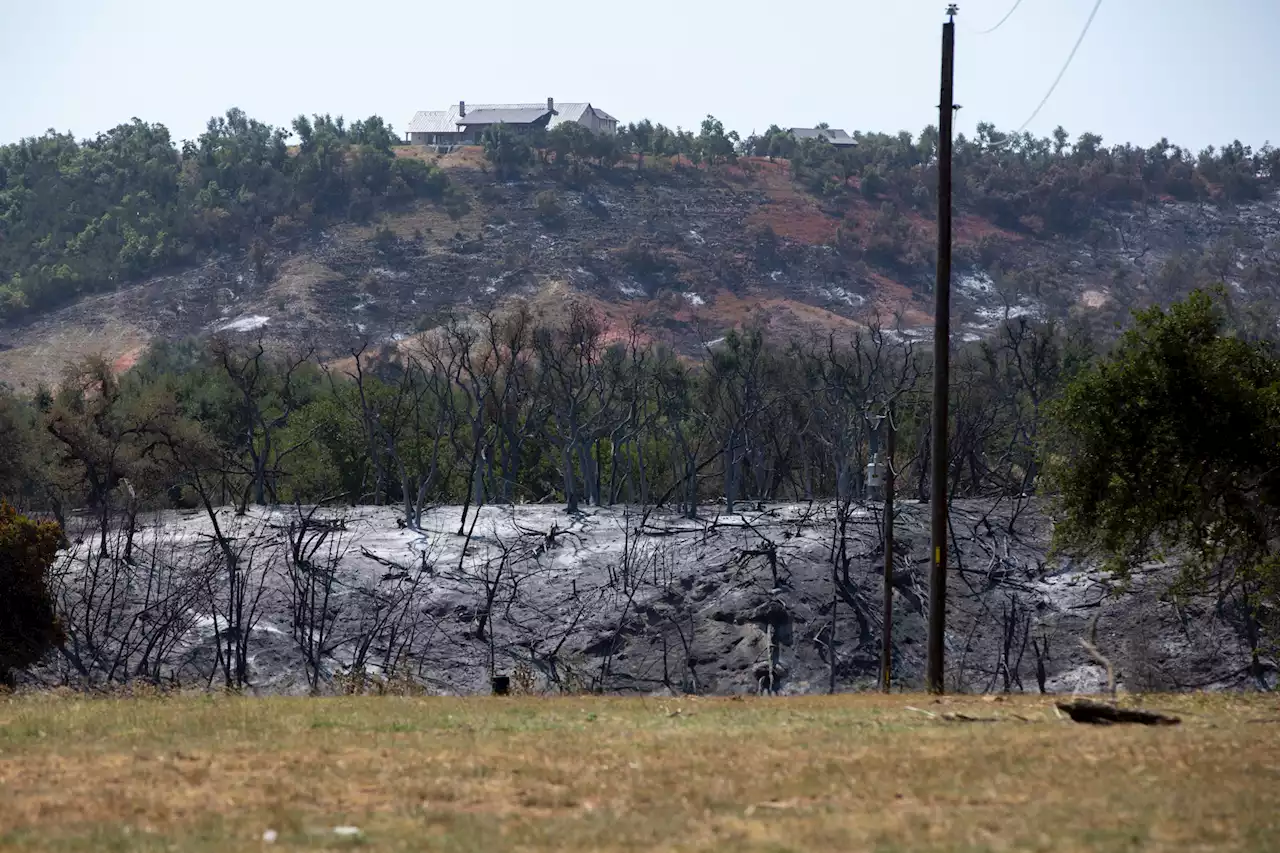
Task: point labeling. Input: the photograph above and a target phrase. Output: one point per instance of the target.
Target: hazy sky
(1195, 71)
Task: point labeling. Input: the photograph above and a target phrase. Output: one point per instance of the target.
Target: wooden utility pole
(941, 365)
(886, 642)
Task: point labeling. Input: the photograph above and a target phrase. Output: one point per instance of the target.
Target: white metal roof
(518, 115)
(834, 135)
(446, 121)
(434, 121)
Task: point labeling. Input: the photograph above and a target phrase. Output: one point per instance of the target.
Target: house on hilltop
(835, 136)
(592, 118)
(463, 124)
(473, 123)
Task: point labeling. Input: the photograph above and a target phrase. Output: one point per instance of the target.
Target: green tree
(873, 185)
(28, 625)
(375, 133)
(814, 164)
(664, 141)
(638, 138)
(21, 466)
(1060, 140)
(1172, 446)
(714, 144)
(508, 153)
(605, 149)
(570, 142)
(775, 142)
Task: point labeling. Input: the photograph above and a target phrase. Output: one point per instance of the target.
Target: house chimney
(462, 109)
(551, 104)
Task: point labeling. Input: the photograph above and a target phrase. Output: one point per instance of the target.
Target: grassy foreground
(590, 774)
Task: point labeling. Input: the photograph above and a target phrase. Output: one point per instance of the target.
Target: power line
(1002, 20)
(1063, 72)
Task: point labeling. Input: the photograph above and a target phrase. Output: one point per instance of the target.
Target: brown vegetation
(900, 773)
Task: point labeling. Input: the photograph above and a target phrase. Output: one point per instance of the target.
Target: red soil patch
(126, 361)
(789, 212)
(726, 310)
(919, 222)
(971, 229)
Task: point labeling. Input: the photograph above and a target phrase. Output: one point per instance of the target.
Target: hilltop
(691, 250)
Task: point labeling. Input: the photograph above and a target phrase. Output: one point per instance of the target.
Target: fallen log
(1101, 714)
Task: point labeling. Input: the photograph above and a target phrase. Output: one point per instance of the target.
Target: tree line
(506, 407)
(1049, 185)
(79, 217)
(85, 216)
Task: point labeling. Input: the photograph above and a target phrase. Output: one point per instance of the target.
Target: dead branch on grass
(1103, 714)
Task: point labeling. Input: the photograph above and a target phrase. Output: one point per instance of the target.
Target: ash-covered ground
(620, 601)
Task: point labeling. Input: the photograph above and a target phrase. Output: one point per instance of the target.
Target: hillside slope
(689, 252)
(619, 600)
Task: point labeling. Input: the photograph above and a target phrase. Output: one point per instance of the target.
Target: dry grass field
(592, 774)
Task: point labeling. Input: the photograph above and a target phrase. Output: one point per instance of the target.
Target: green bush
(28, 626)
